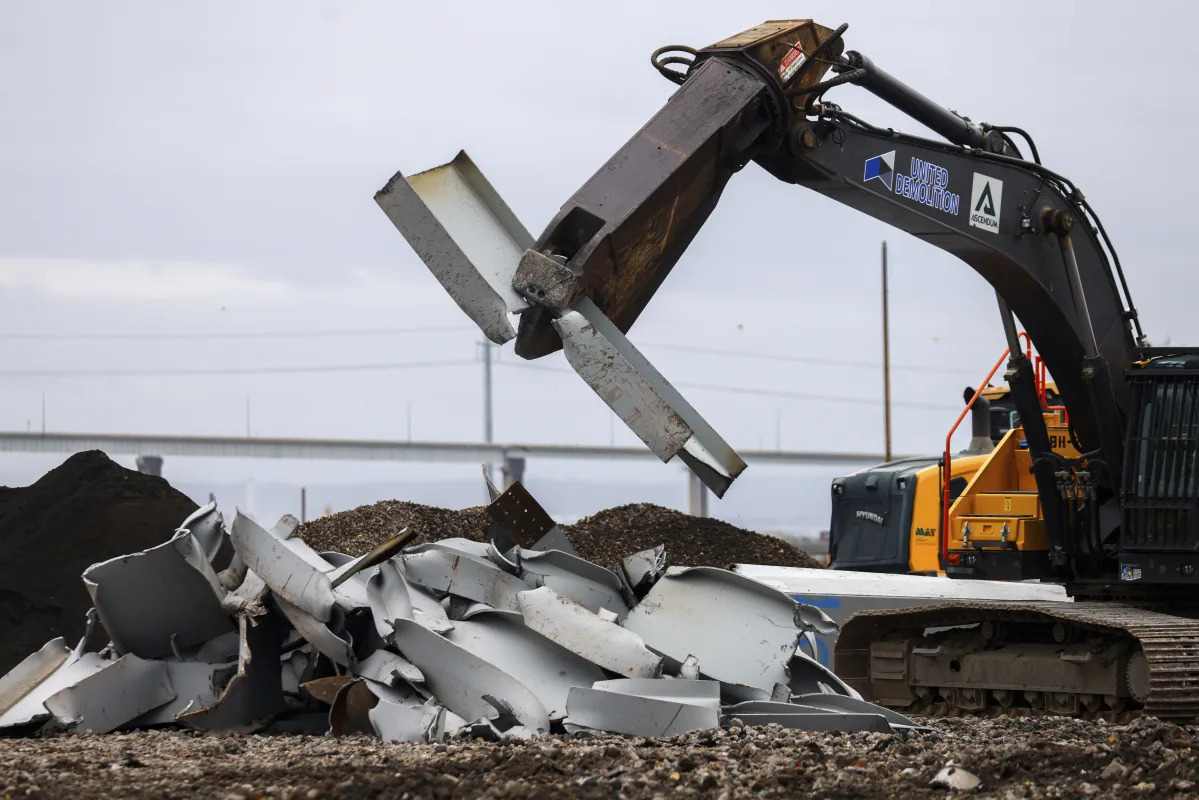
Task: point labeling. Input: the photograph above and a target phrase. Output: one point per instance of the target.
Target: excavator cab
(1001, 408)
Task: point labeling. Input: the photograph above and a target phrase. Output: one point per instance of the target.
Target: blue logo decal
(881, 168)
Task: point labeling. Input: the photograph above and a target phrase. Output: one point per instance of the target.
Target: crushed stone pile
(357, 530)
(86, 510)
(1013, 759)
(605, 537)
(427, 642)
(611, 535)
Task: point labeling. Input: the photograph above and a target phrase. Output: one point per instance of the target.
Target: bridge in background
(151, 449)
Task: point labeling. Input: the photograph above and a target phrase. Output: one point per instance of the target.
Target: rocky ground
(1043, 757)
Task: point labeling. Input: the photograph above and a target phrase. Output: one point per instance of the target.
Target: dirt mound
(604, 538)
(356, 531)
(86, 510)
(690, 541)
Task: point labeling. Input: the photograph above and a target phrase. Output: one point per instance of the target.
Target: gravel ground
(1045, 757)
(604, 538)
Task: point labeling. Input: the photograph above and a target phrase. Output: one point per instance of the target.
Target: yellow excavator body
(888, 518)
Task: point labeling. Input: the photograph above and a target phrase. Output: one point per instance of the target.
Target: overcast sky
(173, 169)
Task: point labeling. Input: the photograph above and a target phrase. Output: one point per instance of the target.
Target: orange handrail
(1042, 379)
(946, 471)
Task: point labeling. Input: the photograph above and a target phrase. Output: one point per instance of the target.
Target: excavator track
(1140, 660)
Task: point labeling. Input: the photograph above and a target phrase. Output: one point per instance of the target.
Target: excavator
(1119, 513)
(1120, 521)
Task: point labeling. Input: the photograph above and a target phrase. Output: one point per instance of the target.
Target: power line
(759, 392)
(235, 335)
(313, 334)
(808, 396)
(333, 368)
(831, 362)
(183, 372)
(331, 333)
(378, 367)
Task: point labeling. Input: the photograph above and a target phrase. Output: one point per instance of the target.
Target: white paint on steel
(466, 235)
(815, 583)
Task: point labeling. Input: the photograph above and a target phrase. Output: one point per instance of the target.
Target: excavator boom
(971, 195)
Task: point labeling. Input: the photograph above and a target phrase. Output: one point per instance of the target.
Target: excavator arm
(760, 96)
(1010, 219)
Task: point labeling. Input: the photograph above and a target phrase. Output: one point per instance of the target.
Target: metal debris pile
(503, 638)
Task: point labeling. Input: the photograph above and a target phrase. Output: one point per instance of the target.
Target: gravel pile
(610, 535)
(1046, 757)
(88, 509)
(604, 538)
(356, 531)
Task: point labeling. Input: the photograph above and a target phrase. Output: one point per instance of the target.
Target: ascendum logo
(984, 203)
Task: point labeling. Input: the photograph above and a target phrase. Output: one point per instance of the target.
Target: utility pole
(886, 363)
(303, 504)
(487, 418)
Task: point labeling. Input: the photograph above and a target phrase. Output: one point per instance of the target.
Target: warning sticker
(985, 202)
(791, 63)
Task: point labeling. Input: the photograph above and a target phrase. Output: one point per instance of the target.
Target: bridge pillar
(150, 465)
(697, 495)
(512, 470)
